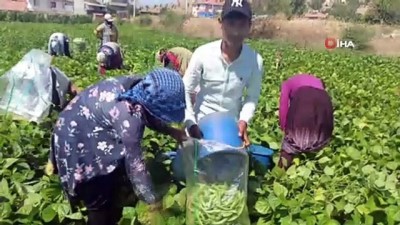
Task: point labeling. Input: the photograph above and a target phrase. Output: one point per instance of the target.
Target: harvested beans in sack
(217, 204)
(216, 181)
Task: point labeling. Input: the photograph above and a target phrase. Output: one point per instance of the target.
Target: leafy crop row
(14, 16)
(353, 181)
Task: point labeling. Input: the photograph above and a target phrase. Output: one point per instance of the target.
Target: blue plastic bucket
(176, 165)
(221, 160)
(221, 127)
(262, 155)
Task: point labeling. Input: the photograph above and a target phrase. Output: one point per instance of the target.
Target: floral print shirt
(95, 134)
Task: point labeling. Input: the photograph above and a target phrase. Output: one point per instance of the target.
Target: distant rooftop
(17, 5)
(207, 3)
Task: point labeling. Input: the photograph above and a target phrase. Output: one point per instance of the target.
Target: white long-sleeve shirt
(222, 84)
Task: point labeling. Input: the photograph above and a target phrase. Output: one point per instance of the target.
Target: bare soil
(302, 32)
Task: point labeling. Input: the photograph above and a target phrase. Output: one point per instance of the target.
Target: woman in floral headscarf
(96, 140)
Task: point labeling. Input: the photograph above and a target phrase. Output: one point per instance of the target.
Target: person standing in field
(107, 31)
(305, 115)
(96, 143)
(175, 58)
(224, 69)
(109, 57)
(59, 45)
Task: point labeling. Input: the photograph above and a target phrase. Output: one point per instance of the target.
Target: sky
(154, 2)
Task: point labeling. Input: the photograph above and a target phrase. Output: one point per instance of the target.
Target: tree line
(376, 11)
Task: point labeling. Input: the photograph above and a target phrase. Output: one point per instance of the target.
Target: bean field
(354, 181)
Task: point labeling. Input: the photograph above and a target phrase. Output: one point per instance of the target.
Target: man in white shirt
(224, 69)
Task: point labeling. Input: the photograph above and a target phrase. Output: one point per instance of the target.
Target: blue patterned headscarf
(162, 93)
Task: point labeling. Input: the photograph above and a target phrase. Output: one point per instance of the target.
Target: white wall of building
(151, 3)
(53, 6)
(79, 7)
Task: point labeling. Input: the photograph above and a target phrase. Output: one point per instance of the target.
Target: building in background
(207, 8)
(79, 7)
(89, 7)
(13, 5)
(117, 5)
(64, 7)
(155, 3)
(51, 6)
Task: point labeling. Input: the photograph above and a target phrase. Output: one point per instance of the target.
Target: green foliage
(298, 7)
(172, 20)
(316, 4)
(8, 16)
(352, 181)
(145, 20)
(384, 11)
(279, 6)
(379, 11)
(345, 11)
(259, 7)
(287, 7)
(359, 35)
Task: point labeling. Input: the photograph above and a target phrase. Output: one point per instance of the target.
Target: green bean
(216, 204)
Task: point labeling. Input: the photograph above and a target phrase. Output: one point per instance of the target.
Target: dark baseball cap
(236, 7)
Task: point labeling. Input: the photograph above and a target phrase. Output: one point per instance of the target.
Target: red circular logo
(330, 43)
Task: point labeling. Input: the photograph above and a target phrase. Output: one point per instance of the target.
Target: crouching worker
(59, 45)
(62, 90)
(33, 88)
(175, 58)
(305, 115)
(109, 57)
(97, 140)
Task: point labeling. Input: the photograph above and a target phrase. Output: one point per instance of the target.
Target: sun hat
(162, 93)
(236, 6)
(101, 57)
(108, 17)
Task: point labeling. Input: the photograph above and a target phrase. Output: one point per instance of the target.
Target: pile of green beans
(216, 205)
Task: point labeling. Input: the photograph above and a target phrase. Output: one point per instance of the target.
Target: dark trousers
(102, 197)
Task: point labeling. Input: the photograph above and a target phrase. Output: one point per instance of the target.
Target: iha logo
(332, 43)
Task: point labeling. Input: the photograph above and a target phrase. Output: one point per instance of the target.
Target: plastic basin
(221, 127)
(262, 155)
(176, 165)
(226, 162)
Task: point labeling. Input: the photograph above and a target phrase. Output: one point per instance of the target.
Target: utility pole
(134, 8)
(186, 7)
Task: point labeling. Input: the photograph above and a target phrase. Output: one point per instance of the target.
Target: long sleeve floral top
(95, 134)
